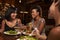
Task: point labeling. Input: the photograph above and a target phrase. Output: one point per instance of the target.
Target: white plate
(29, 34)
(12, 34)
(24, 32)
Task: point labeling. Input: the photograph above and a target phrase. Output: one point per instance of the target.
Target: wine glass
(29, 28)
(17, 28)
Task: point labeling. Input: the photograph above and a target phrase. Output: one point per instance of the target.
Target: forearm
(40, 29)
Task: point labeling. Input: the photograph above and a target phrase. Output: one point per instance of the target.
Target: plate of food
(27, 38)
(11, 32)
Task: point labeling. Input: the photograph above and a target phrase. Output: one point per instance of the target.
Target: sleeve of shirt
(43, 20)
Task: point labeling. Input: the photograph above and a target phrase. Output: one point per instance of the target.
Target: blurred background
(23, 7)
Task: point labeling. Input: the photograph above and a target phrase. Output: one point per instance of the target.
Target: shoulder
(3, 21)
(42, 20)
(54, 33)
(55, 30)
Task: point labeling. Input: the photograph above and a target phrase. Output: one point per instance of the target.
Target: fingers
(57, 3)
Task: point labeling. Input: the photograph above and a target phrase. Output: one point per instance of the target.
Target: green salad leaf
(12, 32)
(27, 38)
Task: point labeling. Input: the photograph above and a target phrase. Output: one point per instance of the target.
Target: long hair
(8, 13)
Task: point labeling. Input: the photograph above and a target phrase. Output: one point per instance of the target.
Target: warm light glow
(23, 12)
(26, 12)
(19, 1)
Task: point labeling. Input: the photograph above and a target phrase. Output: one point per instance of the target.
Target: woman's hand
(36, 32)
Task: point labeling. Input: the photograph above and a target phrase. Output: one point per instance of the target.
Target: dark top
(7, 28)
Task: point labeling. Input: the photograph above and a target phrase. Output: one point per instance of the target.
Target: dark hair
(8, 13)
(38, 8)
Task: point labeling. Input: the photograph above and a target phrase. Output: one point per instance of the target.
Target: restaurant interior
(23, 7)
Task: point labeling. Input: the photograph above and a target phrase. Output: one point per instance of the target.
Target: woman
(10, 20)
(37, 22)
(55, 13)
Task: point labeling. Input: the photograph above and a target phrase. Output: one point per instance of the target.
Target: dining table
(8, 37)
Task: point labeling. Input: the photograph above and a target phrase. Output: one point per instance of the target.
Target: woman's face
(13, 15)
(34, 13)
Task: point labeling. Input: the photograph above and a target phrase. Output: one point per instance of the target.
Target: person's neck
(37, 18)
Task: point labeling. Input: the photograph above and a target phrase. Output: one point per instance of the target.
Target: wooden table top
(7, 37)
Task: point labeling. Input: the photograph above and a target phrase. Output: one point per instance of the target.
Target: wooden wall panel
(10, 1)
(0, 0)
